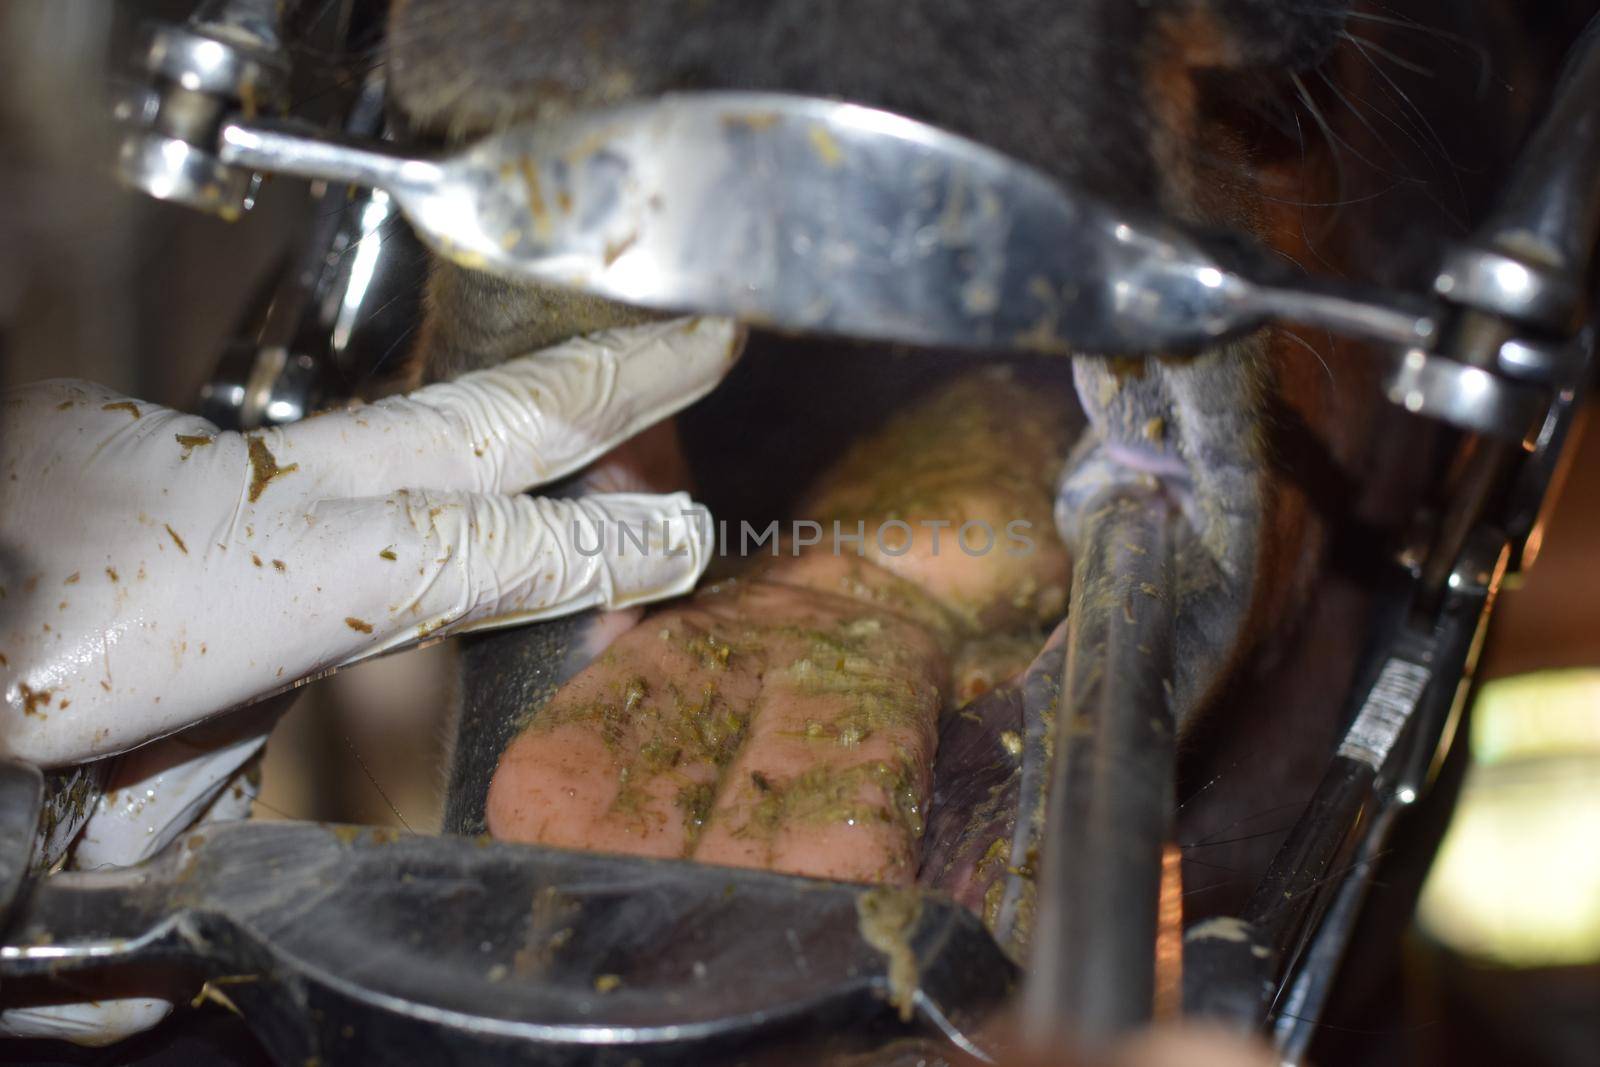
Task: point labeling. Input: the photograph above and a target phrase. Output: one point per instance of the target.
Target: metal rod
(1476, 579)
(286, 147)
(668, 203)
(1092, 970)
(1301, 1008)
(1529, 263)
(1234, 968)
(1550, 211)
(1345, 308)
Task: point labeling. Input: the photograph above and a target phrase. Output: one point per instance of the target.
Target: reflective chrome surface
(339, 310)
(1535, 487)
(228, 58)
(1505, 285)
(209, 61)
(365, 946)
(172, 169)
(1545, 362)
(820, 217)
(256, 386)
(1530, 261)
(1423, 722)
(1463, 396)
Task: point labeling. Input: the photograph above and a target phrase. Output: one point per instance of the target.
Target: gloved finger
(477, 561)
(346, 579)
(153, 794)
(511, 427)
(161, 790)
(158, 791)
(95, 1023)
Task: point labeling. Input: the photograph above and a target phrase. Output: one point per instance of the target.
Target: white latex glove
(156, 571)
(152, 795)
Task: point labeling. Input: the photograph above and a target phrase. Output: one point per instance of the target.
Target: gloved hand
(155, 571)
(151, 796)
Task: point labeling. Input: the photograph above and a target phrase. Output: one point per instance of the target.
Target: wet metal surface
(348, 944)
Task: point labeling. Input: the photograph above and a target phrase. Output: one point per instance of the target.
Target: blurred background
(1502, 963)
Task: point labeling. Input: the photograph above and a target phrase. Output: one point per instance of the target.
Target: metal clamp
(1528, 262)
(340, 305)
(1508, 286)
(1462, 395)
(226, 61)
(1509, 368)
(1519, 283)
